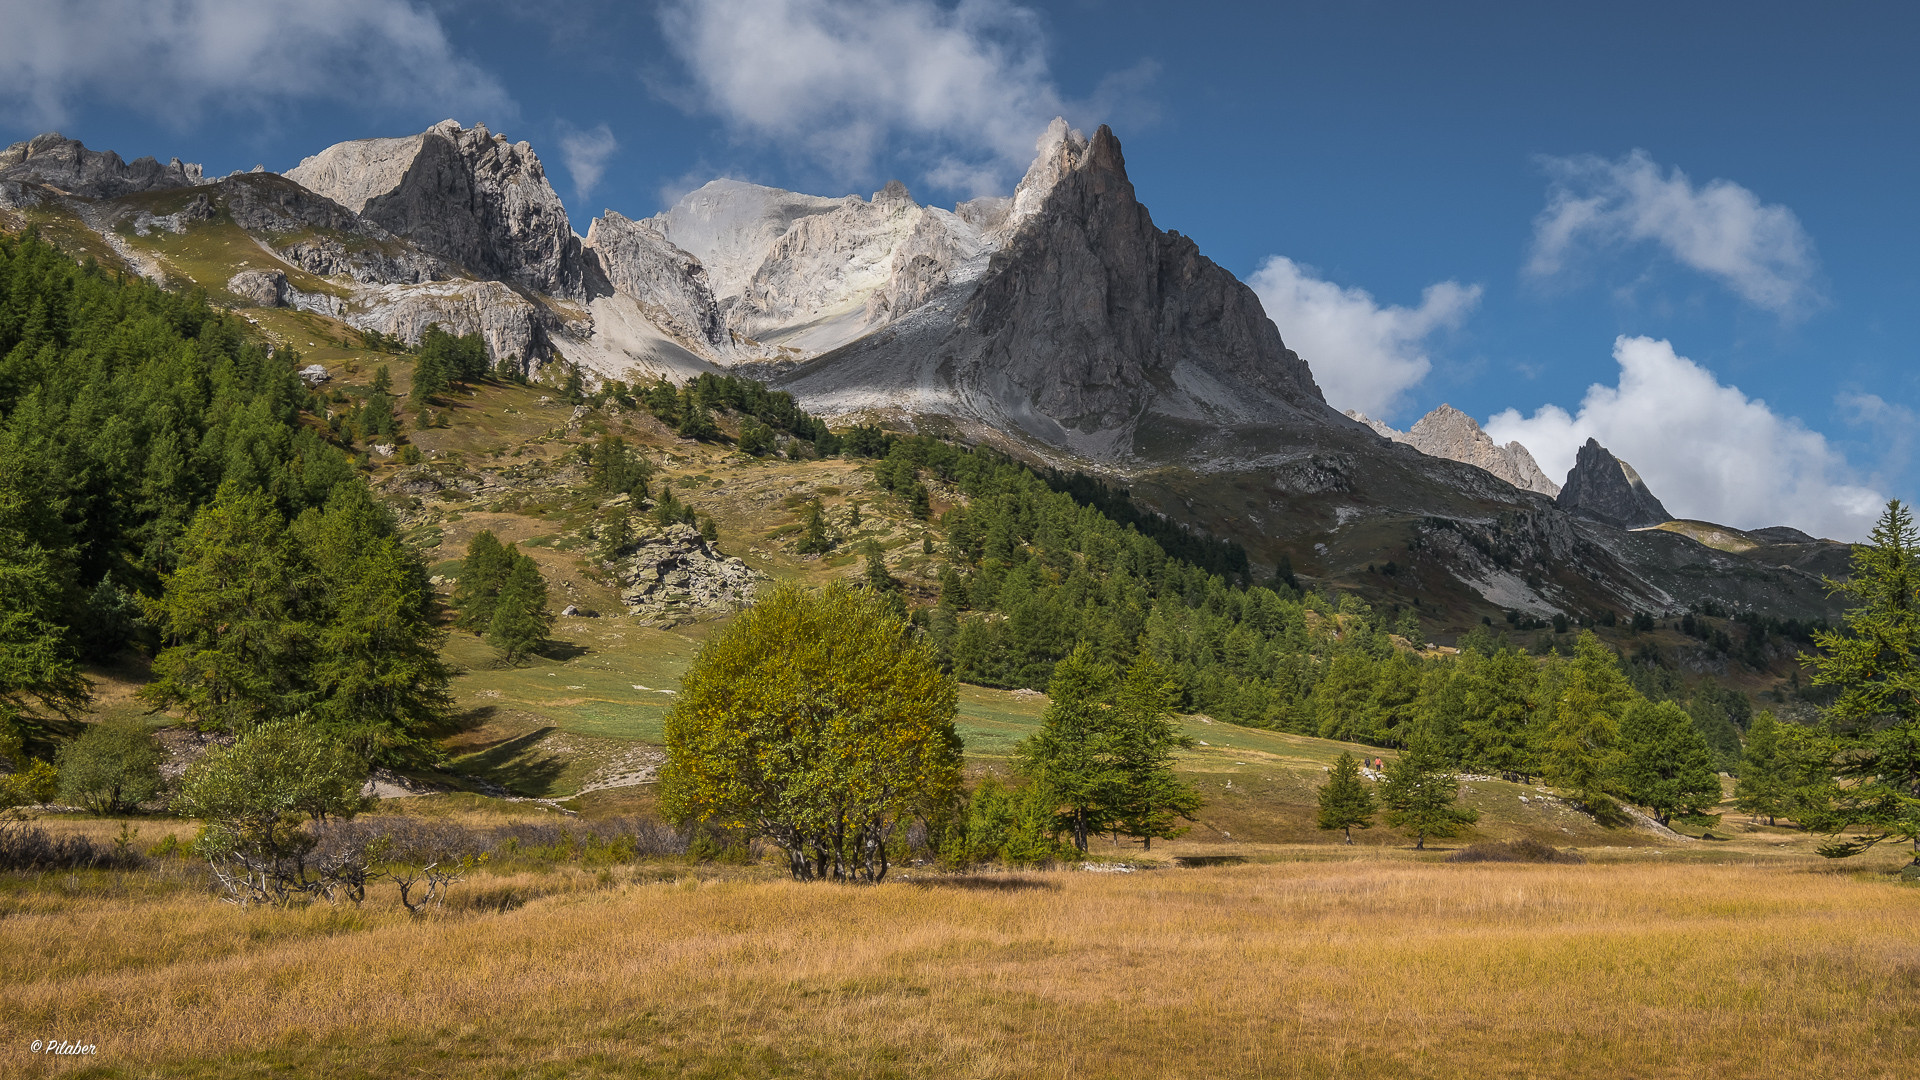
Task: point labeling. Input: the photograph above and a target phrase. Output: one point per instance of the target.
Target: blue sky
(1705, 210)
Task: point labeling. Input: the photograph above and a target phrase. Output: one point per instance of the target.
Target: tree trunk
(1420, 842)
(1080, 829)
(1349, 834)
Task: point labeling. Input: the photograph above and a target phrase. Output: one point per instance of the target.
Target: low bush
(26, 846)
(1523, 851)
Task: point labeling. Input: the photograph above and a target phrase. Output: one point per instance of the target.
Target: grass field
(1368, 967)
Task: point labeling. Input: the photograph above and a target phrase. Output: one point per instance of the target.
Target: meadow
(1374, 964)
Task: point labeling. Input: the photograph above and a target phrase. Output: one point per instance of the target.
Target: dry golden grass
(1363, 968)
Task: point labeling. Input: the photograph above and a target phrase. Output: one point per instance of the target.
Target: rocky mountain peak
(1606, 488)
(1449, 433)
(67, 166)
(464, 194)
(1058, 152)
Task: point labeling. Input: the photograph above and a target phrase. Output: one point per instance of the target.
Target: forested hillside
(165, 481)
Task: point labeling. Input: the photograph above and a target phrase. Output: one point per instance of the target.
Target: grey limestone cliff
(669, 285)
(1603, 487)
(54, 161)
(1085, 324)
(1446, 432)
(464, 194)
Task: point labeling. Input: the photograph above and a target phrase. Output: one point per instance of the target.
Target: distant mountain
(1060, 323)
(1446, 432)
(1607, 489)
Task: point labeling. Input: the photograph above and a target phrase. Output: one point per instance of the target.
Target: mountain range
(1059, 323)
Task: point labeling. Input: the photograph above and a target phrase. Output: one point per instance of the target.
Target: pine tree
(1874, 663)
(481, 575)
(521, 620)
(813, 532)
(1760, 792)
(1344, 798)
(1667, 766)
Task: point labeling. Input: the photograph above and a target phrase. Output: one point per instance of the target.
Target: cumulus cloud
(1721, 229)
(836, 80)
(1363, 355)
(174, 58)
(1707, 450)
(585, 154)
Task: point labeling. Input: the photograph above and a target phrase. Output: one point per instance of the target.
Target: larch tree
(1151, 799)
(1075, 749)
(1873, 663)
(1582, 751)
(481, 575)
(1667, 766)
(1760, 792)
(521, 620)
(1422, 796)
(1345, 801)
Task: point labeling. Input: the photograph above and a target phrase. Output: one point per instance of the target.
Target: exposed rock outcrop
(674, 573)
(729, 225)
(509, 324)
(320, 236)
(669, 285)
(261, 288)
(1603, 487)
(1446, 432)
(67, 166)
(464, 194)
(1087, 323)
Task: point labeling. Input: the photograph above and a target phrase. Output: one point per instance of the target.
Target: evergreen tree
(1074, 748)
(1761, 791)
(1874, 664)
(696, 422)
(481, 575)
(1150, 800)
(756, 438)
(1422, 797)
(432, 377)
(382, 379)
(813, 532)
(1582, 750)
(1344, 798)
(236, 618)
(1808, 790)
(521, 620)
(35, 668)
(1667, 766)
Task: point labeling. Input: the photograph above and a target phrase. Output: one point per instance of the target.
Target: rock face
(320, 236)
(69, 167)
(674, 573)
(669, 285)
(508, 323)
(466, 195)
(261, 288)
(1607, 489)
(1090, 329)
(1446, 432)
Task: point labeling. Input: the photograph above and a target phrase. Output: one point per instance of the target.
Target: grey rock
(507, 322)
(1446, 432)
(1090, 330)
(673, 571)
(669, 284)
(260, 288)
(463, 194)
(67, 166)
(729, 226)
(1605, 488)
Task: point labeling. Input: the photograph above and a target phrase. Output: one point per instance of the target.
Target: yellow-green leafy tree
(817, 722)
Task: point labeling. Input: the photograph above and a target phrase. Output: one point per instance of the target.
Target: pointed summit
(1603, 487)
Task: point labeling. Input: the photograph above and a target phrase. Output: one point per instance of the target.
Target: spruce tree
(1345, 800)
(1874, 664)
(1667, 766)
(1422, 797)
(520, 616)
(1760, 792)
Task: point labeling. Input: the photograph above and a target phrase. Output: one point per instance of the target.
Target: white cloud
(836, 81)
(1705, 449)
(1363, 355)
(1721, 229)
(174, 58)
(585, 154)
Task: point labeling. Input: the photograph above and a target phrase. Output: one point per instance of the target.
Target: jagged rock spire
(1603, 487)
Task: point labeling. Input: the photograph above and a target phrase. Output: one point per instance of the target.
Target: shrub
(112, 768)
(1518, 851)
